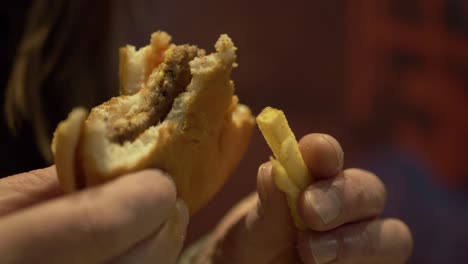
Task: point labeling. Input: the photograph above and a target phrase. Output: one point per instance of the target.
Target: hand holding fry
(336, 213)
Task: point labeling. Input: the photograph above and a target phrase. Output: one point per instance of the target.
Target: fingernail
(335, 165)
(265, 169)
(324, 249)
(325, 202)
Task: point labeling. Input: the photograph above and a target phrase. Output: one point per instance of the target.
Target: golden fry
(279, 136)
(284, 183)
(291, 158)
(274, 126)
(290, 171)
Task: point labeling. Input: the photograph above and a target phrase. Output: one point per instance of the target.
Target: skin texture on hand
(340, 209)
(133, 219)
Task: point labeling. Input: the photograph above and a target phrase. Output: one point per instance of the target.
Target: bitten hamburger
(177, 112)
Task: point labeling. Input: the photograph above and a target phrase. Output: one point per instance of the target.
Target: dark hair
(61, 62)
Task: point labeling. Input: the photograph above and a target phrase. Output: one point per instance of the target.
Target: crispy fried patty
(169, 80)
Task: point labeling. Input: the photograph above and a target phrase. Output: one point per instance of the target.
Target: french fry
(289, 169)
(285, 184)
(279, 136)
(274, 126)
(291, 158)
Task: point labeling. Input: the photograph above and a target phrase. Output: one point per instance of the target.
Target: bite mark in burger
(177, 112)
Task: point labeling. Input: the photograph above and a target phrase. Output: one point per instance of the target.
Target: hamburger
(176, 111)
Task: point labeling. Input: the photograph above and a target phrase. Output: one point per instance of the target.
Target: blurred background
(388, 79)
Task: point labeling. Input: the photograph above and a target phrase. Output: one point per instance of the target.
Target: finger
(272, 200)
(91, 226)
(379, 241)
(25, 189)
(165, 245)
(257, 230)
(273, 210)
(353, 195)
(322, 154)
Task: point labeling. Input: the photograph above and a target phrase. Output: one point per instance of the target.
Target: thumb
(165, 245)
(259, 229)
(272, 209)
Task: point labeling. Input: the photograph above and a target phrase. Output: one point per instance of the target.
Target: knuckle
(366, 189)
(369, 241)
(334, 198)
(358, 242)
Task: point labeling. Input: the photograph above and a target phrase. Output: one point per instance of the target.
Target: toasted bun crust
(136, 66)
(64, 147)
(199, 142)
